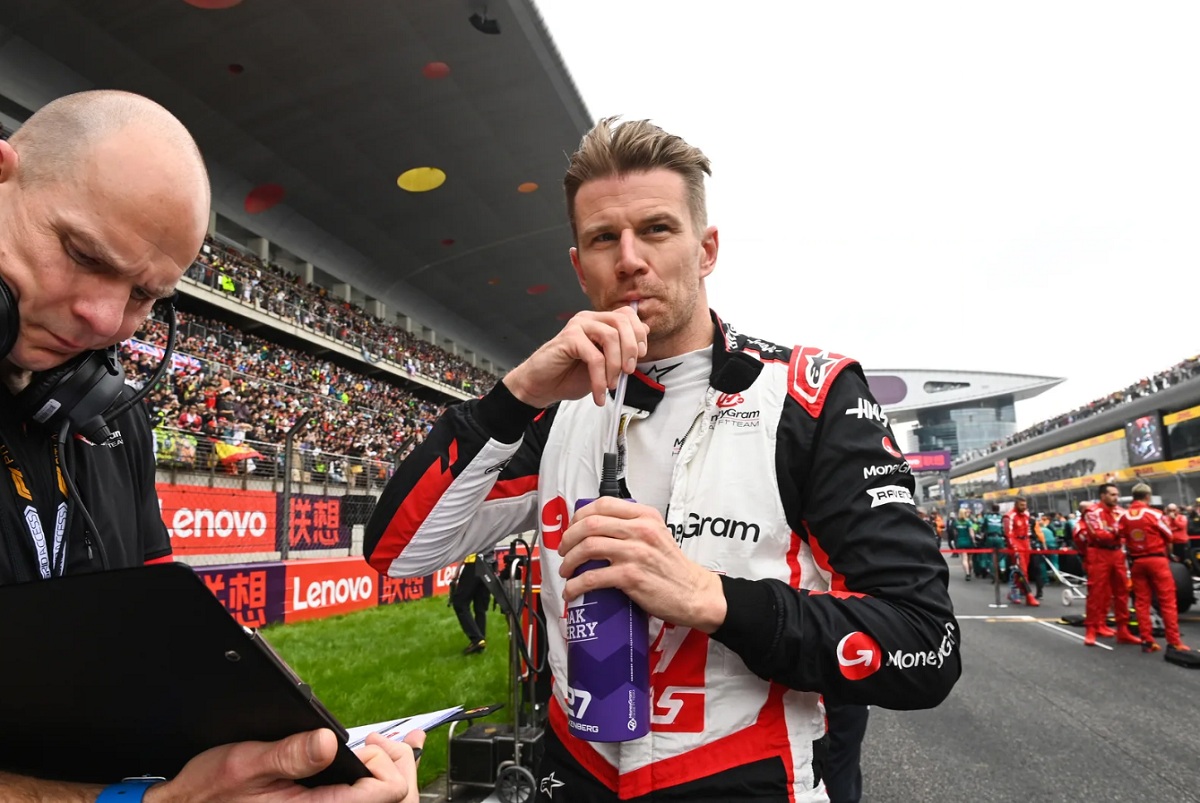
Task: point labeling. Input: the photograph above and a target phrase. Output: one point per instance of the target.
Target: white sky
(994, 186)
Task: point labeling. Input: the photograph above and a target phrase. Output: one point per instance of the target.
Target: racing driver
(774, 542)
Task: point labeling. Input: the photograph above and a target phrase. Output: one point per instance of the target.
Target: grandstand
(1147, 431)
(332, 293)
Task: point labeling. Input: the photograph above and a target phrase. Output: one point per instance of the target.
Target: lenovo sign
(217, 521)
(319, 588)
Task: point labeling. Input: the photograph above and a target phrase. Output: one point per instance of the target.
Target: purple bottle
(608, 664)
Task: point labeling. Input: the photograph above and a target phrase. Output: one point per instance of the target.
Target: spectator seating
(1145, 387)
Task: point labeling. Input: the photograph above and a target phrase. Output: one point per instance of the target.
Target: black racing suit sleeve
(470, 483)
(884, 634)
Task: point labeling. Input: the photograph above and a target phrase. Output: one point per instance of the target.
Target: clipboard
(137, 671)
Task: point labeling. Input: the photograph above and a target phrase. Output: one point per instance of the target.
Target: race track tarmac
(1037, 716)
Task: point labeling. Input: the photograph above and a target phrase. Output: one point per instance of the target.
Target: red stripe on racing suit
(785, 458)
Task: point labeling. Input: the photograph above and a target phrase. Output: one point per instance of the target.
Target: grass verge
(397, 660)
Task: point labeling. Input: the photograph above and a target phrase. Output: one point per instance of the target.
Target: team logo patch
(657, 372)
(891, 449)
(858, 656)
(810, 374)
(555, 518)
(727, 400)
(868, 410)
(549, 784)
(890, 494)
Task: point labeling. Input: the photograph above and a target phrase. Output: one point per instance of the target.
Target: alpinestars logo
(496, 469)
(868, 410)
(818, 367)
(657, 372)
(890, 494)
(549, 784)
(858, 655)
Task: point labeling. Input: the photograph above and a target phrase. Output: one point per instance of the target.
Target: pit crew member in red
(774, 543)
(1147, 539)
(1108, 581)
(1179, 535)
(1017, 530)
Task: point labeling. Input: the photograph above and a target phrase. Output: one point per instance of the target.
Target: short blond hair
(636, 146)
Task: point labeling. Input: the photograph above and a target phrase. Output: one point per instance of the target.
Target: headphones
(85, 392)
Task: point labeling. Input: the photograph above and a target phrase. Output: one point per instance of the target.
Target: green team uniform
(993, 537)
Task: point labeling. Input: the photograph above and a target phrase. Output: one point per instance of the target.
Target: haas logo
(555, 517)
(858, 656)
(727, 400)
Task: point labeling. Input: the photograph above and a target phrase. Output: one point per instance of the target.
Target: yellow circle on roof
(421, 179)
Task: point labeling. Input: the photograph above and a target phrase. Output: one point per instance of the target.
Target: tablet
(135, 672)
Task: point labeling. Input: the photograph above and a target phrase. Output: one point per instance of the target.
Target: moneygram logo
(697, 525)
(858, 656)
(884, 471)
(555, 518)
(934, 658)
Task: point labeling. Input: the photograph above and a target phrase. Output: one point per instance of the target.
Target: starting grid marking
(1021, 619)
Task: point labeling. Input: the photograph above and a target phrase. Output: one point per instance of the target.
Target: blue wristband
(130, 790)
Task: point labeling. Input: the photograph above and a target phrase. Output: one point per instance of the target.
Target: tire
(515, 784)
(1066, 597)
(1185, 594)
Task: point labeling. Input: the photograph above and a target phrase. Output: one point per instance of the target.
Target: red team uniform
(1147, 538)
(1108, 582)
(1017, 530)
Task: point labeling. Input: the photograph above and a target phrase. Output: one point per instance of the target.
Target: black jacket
(115, 480)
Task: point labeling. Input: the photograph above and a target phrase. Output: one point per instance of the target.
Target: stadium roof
(903, 392)
(333, 102)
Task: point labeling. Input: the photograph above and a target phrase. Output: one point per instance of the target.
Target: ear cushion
(10, 321)
(43, 384)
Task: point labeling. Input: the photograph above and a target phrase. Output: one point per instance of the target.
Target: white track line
(1071, 634)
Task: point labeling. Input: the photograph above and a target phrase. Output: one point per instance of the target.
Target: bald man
(104, 204)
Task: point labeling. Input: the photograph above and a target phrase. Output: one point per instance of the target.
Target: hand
(646, 564)
(265, 771)
(589, 354)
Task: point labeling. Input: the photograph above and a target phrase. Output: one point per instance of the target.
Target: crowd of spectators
(1145, 387)
(236, 388)
(272, 289)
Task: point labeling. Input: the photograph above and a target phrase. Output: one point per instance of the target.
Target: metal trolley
(502, 755)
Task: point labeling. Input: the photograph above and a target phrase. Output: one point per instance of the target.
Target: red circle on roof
(263, 197)
(212, 5)
(448, 241)
(537, 289)
(527, 187)
(236, 69)
(494, 281)
(435, 70)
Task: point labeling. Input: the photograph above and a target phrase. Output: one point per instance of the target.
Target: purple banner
(316, 522)
(929, 461)
(253, 593)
